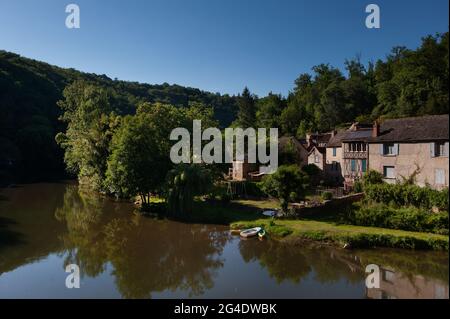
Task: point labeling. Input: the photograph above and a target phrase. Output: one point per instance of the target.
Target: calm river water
(44, 227)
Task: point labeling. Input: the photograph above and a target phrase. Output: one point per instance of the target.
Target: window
(389, 149)
(364, 147)
(316, 159)
(389, 171)
(439, 178)
(353, 165)
(439, 149)
(334, 151)
(364, 165)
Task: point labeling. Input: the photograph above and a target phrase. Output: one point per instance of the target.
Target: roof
(414, 129)
(321, 150)
(283, 142)
(360, 135)
(349, 136)
(336, 140)
(319, 138)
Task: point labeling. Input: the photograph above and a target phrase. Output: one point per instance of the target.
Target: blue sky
(215, 45)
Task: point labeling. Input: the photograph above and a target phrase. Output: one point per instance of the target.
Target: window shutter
(396, 149)
(382, 149)
(432, 149)
(446, 149)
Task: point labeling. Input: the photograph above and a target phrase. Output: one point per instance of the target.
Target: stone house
(333, 158)
(412, 147)
(317, 156)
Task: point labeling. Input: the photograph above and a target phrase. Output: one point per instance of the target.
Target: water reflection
(52, 225)
(147, 255)
(404, 274)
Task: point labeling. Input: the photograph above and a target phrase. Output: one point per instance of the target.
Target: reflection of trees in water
(82, 214)
(285, 262)
(147, 255)
(169, 256)
(293, 262)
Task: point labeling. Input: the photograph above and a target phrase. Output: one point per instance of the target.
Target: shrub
(327, 196)
(287, 184)
(405, 218)
(358, 187)
(404, 195)
(311, 170)
(372, 177)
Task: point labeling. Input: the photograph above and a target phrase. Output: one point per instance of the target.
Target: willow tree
(185, 182)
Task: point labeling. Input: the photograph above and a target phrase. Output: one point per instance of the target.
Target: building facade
(412, 148)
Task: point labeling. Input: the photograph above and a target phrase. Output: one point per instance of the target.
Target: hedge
(404, 218)
(405, 195)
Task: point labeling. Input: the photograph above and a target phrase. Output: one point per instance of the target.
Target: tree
(185, 182)
(247, 110)
(269, 110)
(137, 164)
(90, 125)
(287, 184)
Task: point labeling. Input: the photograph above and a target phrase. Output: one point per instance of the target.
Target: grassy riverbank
(247, 213)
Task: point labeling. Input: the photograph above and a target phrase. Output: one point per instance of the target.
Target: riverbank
(242, 214)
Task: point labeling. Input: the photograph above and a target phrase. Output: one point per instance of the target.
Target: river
(121, 254)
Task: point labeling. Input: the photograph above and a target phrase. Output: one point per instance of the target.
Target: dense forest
(38, 101)
(406, 83)
(29, 121)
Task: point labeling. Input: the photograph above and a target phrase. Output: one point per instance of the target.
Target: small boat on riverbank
(252, 232)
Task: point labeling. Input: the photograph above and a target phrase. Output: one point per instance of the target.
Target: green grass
(241, 214)
(330, 231)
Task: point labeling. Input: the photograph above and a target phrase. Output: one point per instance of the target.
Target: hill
(29, 91)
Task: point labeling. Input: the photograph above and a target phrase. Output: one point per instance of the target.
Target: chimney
(376, 129)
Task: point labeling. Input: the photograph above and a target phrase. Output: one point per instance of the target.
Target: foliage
(358, 187)
(405, 195)
(269, 110)
(90, 125)
(311, 170)
(185, 182)
(287, 184)
(372, 177)
(407, 83)
(327, 195)
(137, 164)
(405, 218)
(29, 91)
(246, 116)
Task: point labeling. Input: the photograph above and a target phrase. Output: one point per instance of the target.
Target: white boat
(252, 232)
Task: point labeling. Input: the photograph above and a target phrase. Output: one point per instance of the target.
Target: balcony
(356, 155)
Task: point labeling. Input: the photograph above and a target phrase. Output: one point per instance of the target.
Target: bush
(287, 184)
(311, 170)
(327, 196)
(372, 177)
(404, 195)
(358, 187)
(405, 218)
